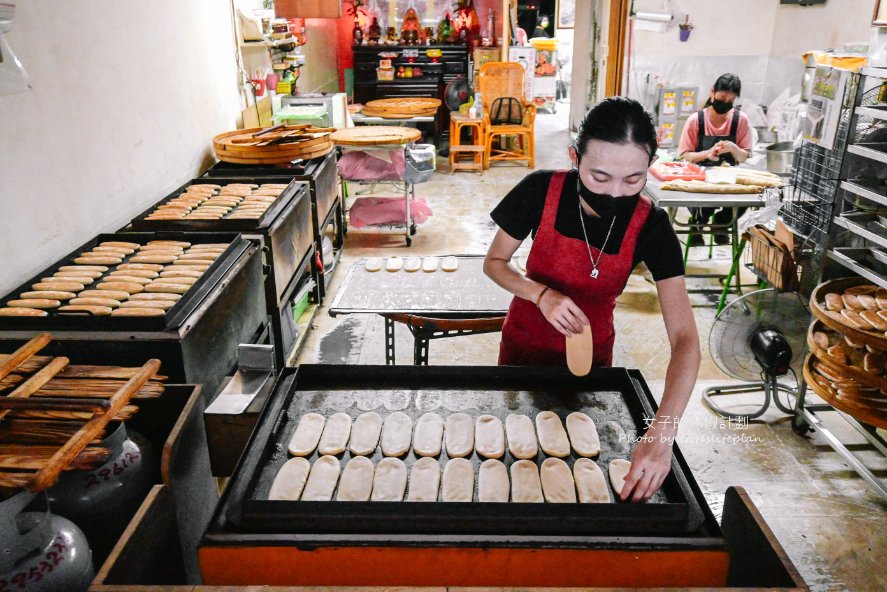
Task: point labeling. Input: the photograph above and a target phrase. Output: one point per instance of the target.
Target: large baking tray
(173, 318)
(606, 395)
(467, 290)
(223, 224)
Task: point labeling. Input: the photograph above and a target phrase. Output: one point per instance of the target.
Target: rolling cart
(393, 145)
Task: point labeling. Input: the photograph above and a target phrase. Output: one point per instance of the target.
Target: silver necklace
(594, 271)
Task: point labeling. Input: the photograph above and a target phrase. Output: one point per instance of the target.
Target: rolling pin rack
(53, 415)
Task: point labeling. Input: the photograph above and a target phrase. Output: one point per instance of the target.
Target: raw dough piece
(307, 435)
(396, 434)
(590, 482)
(619, 469)
(492, 482)
(552, 436)
(365, 433)
(458, 481)
(424, 480)
(430, 264)
(521, 436)
(412, 264)
(356, 483)
(525, 484)
(580, 352)
(334, 439)
(449, 264)
(390, 480)
(557, 482)
(489, 436)
(428, 439)
(583, 434)
(394, 263)
(322, 480)
(459, 435)
(290, 480)
(373, 264)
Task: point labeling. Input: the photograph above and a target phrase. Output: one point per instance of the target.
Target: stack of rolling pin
(53, 415)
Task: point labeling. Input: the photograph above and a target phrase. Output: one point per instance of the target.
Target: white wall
(798, 29)
(760, 40)
(126, 98)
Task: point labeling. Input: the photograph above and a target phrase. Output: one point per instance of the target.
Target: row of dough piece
(362, 481)
(459, 434)
(412, 264)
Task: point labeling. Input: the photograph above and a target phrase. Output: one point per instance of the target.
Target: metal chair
(506, 80)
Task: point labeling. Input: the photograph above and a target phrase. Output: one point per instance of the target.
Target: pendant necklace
(594, 271)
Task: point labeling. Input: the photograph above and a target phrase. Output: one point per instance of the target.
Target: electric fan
(758, 338)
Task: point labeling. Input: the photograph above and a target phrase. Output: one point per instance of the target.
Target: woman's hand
(650, 464)
(712, 153)
(563, 314)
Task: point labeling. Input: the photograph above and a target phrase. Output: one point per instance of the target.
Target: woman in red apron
(591, 228)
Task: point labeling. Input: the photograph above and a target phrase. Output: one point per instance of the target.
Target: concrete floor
(830, 521)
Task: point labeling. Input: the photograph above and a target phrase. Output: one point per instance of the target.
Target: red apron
(562, 263)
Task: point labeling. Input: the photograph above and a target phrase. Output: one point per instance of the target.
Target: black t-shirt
(520, 213)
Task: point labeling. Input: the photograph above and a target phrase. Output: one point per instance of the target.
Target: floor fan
(758, 338)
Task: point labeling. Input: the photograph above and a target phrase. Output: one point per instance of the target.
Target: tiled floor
(830, 521)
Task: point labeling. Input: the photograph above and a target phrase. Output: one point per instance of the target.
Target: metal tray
(467, 291)
(606, 395)
(224, 224)
(301, 170)
(173, 318)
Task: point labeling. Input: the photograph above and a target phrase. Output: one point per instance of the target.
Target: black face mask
(721, 107)
(605, 205)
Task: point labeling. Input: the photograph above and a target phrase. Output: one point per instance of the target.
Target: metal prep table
(673, 540)
(285, 233)
(432, 305)
(672, 200)
(196, 340)
(327, 204)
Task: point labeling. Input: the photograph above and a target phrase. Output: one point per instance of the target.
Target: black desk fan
(758, 338)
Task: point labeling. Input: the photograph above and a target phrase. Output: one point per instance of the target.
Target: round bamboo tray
(838, 323)
(321, 151)
(375, 135)
(240, 147)
(404, 104)
(851, 372)
(862, 409)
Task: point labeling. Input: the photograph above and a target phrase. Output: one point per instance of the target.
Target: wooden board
(375, 135)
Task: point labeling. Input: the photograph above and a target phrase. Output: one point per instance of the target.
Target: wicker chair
(502, 80)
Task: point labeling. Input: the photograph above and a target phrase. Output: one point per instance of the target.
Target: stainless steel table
(431, 305)
(672, 200)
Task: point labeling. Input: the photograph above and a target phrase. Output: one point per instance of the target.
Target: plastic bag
(768, 213)
(420, 163)
(13, 77)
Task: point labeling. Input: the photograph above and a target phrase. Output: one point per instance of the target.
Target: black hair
(728, 82)
(618, 120)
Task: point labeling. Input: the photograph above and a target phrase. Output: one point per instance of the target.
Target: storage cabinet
(435, 75)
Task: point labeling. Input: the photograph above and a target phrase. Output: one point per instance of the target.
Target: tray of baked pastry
(140, 281)
(221, 204)
(847, 364)
(503, 450)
